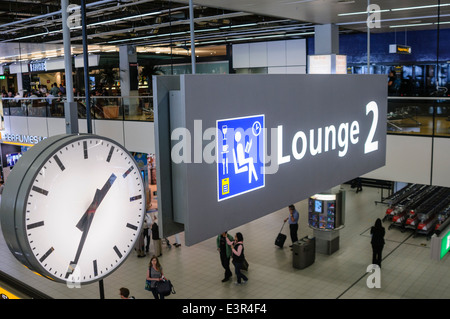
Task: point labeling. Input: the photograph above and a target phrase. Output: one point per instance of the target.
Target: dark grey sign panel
(312, 132)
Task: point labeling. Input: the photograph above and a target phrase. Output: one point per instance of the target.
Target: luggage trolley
(397, 205)
(434, 219)
(425, 214)
(400, 218)
(443, 220)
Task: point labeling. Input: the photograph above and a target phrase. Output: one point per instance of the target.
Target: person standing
(377, 231)
(156, 239)
(155, 274)
(237, 249)
(139, 247)
(293, 223)
(147, 228)
(225, 253)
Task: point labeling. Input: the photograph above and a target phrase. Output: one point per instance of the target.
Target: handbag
(148, 284)
(244, 264)
(165, 287)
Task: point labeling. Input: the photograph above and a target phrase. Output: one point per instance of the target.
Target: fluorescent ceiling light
(361, 12)
(126, 18)
(421, 7)
(410, 25)
(395, 9)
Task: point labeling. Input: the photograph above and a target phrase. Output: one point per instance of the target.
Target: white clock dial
(84, 209)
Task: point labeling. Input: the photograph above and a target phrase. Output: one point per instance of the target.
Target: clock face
(84, 209)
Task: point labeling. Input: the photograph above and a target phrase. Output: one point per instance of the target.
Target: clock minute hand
(84, 224)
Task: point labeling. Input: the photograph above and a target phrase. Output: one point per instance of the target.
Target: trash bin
(303, 252)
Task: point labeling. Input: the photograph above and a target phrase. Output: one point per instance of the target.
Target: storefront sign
(21, 139)
(40, 66)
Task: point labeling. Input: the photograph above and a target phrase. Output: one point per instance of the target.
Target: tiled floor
(408, 271)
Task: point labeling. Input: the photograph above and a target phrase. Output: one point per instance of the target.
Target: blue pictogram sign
(240, 155)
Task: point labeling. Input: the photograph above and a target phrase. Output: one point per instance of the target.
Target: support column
(129, 78)
(326, 58)
(70, 107)
(326, 39)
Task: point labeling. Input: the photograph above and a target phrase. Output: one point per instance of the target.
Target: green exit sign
(2, 77)
(445, 244)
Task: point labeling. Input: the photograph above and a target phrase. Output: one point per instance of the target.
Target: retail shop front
(12, 147)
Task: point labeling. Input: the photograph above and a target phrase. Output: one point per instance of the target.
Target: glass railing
(129, 108)
(428, 116)
(425, 116)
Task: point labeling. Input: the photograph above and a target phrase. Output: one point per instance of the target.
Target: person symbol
(243, 161)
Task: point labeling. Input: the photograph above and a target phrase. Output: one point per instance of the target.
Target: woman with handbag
(155, 275)
(237, 249)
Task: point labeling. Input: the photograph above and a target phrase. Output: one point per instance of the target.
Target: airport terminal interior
(407, 270)
(130, 42)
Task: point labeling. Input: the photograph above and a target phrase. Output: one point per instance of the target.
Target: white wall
(280, 57)
(441, 162)
(408, 159)
(134, 135)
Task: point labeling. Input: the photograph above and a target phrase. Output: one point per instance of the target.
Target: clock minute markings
(46, 254)
(40, 190)
(132, 226)
(117, 251)
(94, 264)
(85, 151)
(58, 161)
(35, 225)
(128, 172)
(135, 198)
(108, 159)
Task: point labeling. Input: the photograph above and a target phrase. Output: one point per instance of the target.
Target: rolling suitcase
(281, 238)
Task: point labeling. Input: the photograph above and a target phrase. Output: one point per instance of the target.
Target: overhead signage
(398, 48)
(309, 142)
(240, 156)
(39, 66)
(2, 77)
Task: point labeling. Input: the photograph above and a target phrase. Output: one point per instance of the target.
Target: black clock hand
(84, 224)
(101, 194)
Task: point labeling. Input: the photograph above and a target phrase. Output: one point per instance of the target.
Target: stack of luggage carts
(420, 208)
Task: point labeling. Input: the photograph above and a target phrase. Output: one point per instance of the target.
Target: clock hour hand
(98, 198)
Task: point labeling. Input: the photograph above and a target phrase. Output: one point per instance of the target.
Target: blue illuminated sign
(240, 155)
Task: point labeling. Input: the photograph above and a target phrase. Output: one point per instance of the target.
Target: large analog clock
(73, 207)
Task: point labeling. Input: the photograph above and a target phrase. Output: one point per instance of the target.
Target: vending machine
(326, 217)
(326, 211)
